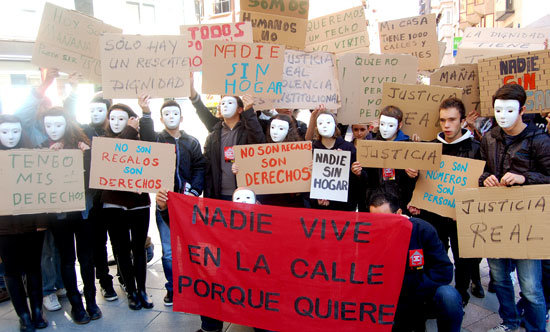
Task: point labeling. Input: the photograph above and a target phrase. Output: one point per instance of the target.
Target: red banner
(287, 269)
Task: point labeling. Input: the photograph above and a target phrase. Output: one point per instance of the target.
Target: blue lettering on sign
(459, 167)
(133, 170)
(143, 149)
(121, 147)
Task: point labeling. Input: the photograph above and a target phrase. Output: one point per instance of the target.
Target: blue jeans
(51, 266)
(546, 282)
(164, 231)
(448, 309)
(529, 273)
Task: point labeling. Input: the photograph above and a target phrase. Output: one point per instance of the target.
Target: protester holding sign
(426, 290)
(128, 213)
(516, 154)
(460, 143)
(21, 244)
(189, 175)
(64, 133)
(300, 126)
(399, 182)
(327, 136)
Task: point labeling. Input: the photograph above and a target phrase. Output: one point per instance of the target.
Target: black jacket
(190, 163)
(421, 282)
(249, 132)
(528, 155)
(350, 205)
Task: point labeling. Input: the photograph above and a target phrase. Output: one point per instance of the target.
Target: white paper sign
(330, 175)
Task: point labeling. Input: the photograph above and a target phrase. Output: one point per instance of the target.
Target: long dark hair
(117, 107)
(291, 136)
(316, 135)
(24, 142)
(73, 133)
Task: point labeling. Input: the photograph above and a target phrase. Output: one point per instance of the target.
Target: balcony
(486, 8)
(503, 9)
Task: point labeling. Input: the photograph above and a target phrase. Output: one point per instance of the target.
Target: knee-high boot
(34, 287)
(19, 300)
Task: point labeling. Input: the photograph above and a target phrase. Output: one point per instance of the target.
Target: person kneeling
(426, 291)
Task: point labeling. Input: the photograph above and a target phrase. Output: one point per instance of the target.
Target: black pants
(65, 233)
(128, 232)
(99, 247)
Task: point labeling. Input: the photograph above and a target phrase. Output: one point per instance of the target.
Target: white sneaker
(62, 292)
(502, 328)
(51, 302)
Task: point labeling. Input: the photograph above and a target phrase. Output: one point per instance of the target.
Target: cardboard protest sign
(69, 40)
(339, 32)
(330, 175)
(130, 165)
(412, 35)
(463, 76)
(361, 77)
(436, 191)
(274, 168)
(478, 43)
(420, 106)
(531, 70)
(282, 268)
(309, 79)
(504, 222)
(135, 64)
(41, 181)
(282, 22)
(399, 155)
(238, 32)
(236, 69)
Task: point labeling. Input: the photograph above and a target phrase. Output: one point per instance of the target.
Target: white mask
(506, 112)
(278, 130)
(10, 134)
(55, 126)
(326, 125)
(171, 116)
(244, 196)
(98, 112)
(118, 121)
(228, 106)
(388, 126)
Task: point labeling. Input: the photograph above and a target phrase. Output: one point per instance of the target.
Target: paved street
(481, 314)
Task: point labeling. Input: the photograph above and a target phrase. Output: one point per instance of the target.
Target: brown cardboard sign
(136, 64)
(412, 35)
(399, 155)
(479, 43)
(274, 168)
(130, 165)
(463, 76)
(339, 32)
(236, 69)
(420, 106)
(361, 77)
(531, 70)
(282, 22)
(41, 181)
(436, 190)
(504, 222)
(239, 32)
(69, 40)
(309, 79)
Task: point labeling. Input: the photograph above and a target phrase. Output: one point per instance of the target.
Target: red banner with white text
(287, 269)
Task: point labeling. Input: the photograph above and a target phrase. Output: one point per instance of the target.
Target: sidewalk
(481, 314)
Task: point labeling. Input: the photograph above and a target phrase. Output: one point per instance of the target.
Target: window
(199, 9)
(140, 13)
(222, 6)
(448, 16)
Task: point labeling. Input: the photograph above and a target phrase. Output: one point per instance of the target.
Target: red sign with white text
(287, 269)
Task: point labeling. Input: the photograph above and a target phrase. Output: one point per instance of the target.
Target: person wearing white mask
(127, 217)
(239, 125)
(398, 182)
(326, 135)
(21, 240)
(71, 227)
(281, 128)
(516, 154)
(189, 174)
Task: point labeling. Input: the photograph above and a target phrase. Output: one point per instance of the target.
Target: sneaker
(503, 328)
(168, 299)
(109, 293)
(62, 292)
(51, 302)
